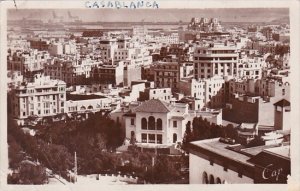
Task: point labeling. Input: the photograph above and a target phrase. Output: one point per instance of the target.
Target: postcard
(149, 94)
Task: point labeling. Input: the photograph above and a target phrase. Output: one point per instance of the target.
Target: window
(204, 178)
(211, 179)
(174, 123)
(151, 123)
(174, 138)
(144, 138)
(159, 139)
(144, 123)
(159, 124)
(218, 181)
(151, 138)
(132, 121)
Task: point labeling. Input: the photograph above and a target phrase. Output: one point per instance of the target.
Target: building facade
(157, 122)
(215, 60)
(42, 97)
(214, 161)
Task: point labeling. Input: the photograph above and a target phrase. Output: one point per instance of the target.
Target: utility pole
(75, 168)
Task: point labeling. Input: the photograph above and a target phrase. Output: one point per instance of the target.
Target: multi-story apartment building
(56, 49)
(107, 48)
(205, 25)
(215, 60)
(27, 61)
(42, 97)
(70, 71)
(39, 44)
(14, 78)
(164, 94)
(265, 87)
(172, 38)
(251, 67)
(182, 52)
(210, 91)
(109, 74)
(168, 74)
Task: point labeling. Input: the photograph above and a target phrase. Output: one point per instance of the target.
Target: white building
(217, 161)
(210, 91)
(164, 94)
(215, 60)
(56, 49)
(251, 67)
(157, 122)
(29, 60)
(42, 97)
(88, 103)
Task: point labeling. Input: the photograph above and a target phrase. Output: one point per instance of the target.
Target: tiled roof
(153, 106)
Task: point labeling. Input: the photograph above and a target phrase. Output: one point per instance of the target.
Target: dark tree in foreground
(203, 129)
(28, 174)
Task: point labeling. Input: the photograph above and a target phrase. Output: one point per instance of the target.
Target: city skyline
(155, 15)
(149, 96)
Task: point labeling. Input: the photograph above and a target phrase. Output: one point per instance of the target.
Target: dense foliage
(202, 129)
(94, 140)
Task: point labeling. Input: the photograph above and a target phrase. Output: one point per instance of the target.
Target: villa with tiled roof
(157, 122)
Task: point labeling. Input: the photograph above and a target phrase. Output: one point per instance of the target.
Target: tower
(282, 110)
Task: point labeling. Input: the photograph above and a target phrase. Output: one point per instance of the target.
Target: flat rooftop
(215, 146)
(283, 151)
(255, 150)
(241, 155)
(78, 97)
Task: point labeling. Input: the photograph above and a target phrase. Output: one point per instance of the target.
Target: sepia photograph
(140, 93)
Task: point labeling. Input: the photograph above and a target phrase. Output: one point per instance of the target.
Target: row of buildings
(156, 82)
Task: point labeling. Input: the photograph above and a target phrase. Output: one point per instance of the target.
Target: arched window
(151, 123)
(82, 108)
(211, 179)
(204, 178)
(90, 107)
(159, 124)
(174, 137)
(218, 181)
(144, 123)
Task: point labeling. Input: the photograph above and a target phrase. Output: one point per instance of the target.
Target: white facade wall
(167, 127)
(55, 49)
(92, 105)
(199, 165)
(163, 132)
(164, 94)
(43, 97)
(135, 92)
(210, 61)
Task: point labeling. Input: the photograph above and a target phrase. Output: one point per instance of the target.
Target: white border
(293, 5)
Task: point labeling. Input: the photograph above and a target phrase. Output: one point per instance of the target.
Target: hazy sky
(171, 15)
